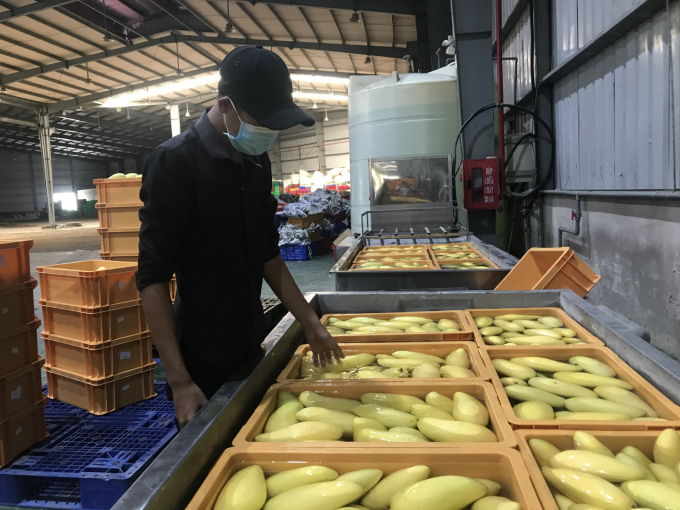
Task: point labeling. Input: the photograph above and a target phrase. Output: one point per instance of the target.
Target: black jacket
(210, 221)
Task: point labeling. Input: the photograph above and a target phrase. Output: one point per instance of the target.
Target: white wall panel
(612, 115)
(517, 45)
(565, 25)
(674, 131)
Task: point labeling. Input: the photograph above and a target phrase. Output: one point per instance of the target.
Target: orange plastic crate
(14, 263)
(119, 215)
(564, 440)
(98, 361)
(16, 305)
(462, 318)
(120, 257)
(22, 430)
(659, 402)
(558, 313)
(441, 349)
(502, 466)
(118, 191)
(119, 240)
(101, 396)
(84, 284)
(94, 325)
(19, 347)
(550, 268)
(481, 390)
(20, 389)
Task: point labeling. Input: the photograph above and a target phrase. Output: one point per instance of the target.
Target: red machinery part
(480, 183)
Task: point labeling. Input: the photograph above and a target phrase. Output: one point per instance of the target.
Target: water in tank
(404, 117)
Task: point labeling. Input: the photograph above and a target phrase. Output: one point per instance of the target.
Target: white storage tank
(400, 116)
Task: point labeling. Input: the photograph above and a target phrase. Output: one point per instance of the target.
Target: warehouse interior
(483, 170)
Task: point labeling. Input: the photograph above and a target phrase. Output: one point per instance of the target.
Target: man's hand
(324, 347)
(189, 400)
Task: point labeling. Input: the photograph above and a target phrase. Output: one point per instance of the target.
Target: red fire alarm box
(480, 183)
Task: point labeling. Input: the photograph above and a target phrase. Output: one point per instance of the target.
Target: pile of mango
(591, 476)
(465, 265)
(378, 417)
(398, 325)
(439, 248)
(321, 488)
(514, 329)
(546, 389)
(395, 250)
(390, 265)
(398, 365)
(390, 259)
(455, 256)
(124, 176)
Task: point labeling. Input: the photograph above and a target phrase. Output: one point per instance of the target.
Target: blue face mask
(252, 140)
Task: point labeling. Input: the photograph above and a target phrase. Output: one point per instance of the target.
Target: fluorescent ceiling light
(318, 97)
(142, 95)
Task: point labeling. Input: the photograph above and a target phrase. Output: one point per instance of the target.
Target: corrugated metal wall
(613, 116)
(517, 45)
(21, 192)
(300, 148)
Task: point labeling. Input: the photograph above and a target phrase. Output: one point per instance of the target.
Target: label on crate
(120, 319)
(121, 285)
(18, 431)
(5, 310)
(126, 387)
(125, 355)
(15, 350)
(2, 261)
(16, 394)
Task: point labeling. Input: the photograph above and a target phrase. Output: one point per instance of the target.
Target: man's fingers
(315, 358)
(323, 358)
(337, 352)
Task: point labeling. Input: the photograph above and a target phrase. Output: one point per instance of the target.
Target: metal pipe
(499, 82)
(615, 194)
(577, 221)
(19, 122)
(44, 132)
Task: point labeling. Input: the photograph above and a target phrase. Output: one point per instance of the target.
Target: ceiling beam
(388, 6)
(253, 19)
(62, 145)
(380, 51)
(158, 134)
(17, 12)
(221, 12)
(55, 152)
(132, 140)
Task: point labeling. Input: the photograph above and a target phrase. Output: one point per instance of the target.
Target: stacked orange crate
(22, 404)
(97, 344)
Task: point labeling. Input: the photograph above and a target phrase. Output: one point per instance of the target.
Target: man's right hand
(189, 400)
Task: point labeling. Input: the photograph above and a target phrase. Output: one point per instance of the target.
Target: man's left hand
(324, 347)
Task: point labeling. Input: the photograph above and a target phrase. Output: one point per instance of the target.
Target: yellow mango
(406, 430)
(513, 381)
(621, 396)
(246, 490)
(561, 388)
(470, 410)
(491, 331)
(284, 416)
(400, 363)
(402, 403)
(293, 478)
(427, 411)
(415, 329)
(304, 431)
(593, 366)
(505, 367)
(598, 405)
(285, 397)
(653, 495)
(439, 493)
(636, 454)
(426, 371)
(586, 416)
(398, 372)
(588, 489)
(508, 334)
(603, 466)
(458, 357)
(387, 416)
(591, 380)
(415, 320)
(366, 478)
(508, 326)
(542, 332)
(396, 324)
(543, 451)
(516, 317)
(365, 423)
(429, 358)
(483, 322)
(528, 324)
(378, 330)
(565, 332)
(431, 327)
(534, 410)
(456, 372)
(536, 340)
(378, 498)
(364, 320)
(664, 474)
(445, 431)
(667, 448)
(584, 441)
(627, 459)
(563, 502)
(551, 322)
(494, 340)
(345, 325)
(492, 488)
(380, 436)
(334, 331)
(319, 414)
(311, 399)
(438, 400)
(527, 393)
(495, 503)
(448, 325)
(545, 364)
(316, 496)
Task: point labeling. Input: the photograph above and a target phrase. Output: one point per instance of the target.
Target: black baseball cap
(258, 81)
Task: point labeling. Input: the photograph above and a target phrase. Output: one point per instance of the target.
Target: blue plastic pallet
(89, 461)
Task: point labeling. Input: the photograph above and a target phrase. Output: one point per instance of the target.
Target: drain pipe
(576, 216)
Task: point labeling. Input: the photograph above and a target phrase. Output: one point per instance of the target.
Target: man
(208, 217)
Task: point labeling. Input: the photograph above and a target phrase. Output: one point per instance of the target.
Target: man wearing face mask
(208, 217)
